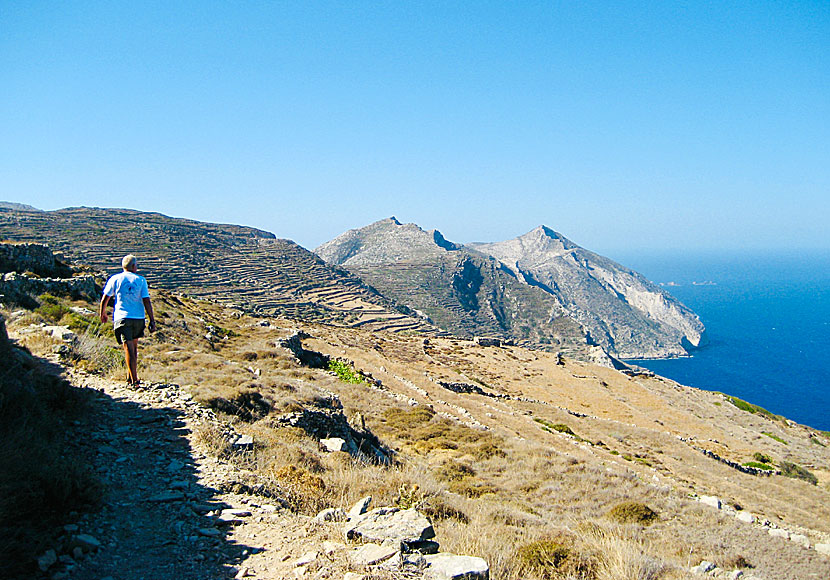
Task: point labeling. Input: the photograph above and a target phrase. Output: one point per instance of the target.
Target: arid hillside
(545, 467)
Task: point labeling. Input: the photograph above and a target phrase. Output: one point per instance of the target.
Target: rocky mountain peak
(384, 241)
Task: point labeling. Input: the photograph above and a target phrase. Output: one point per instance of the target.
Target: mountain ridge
(618, 309)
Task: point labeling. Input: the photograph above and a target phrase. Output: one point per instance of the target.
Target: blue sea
(767, 318)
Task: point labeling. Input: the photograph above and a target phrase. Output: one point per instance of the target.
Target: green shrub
(51, 308)
(346, 372)
(797, 472)
(761, 457)
(776, 437)
(557, 427)
(751, 408)
(758, 465)
(632, 512)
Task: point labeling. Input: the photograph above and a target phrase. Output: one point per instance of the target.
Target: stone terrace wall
(36, 258)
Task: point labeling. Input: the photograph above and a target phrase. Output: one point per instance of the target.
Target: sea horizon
(767, 318)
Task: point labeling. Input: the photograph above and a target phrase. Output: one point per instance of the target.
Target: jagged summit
(622, 310)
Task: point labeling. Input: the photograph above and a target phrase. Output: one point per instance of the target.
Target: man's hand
(104, 317)
(152, 326)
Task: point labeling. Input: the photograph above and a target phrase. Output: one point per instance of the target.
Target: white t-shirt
(128, 290)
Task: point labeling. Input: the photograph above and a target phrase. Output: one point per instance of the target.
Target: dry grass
(488, 492)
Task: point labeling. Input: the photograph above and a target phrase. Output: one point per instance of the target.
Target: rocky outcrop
(35, 258)
(19, 288)
(403, 540)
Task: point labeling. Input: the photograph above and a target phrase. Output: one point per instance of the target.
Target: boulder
(779, 533)
(401, 527)
(800, 539)
(47, 560)
(745, 517)
(704, 567)
(823, 549)
(372, 554)
(331, 515)
(711, 501)
(360, 507)
(333, 444)
(451, 567)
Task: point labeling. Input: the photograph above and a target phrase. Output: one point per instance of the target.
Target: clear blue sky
(623, 125)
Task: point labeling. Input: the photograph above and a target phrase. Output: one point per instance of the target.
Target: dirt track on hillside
(160, 515)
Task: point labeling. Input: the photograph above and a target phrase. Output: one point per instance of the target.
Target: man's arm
(102, 311)
(148, 307)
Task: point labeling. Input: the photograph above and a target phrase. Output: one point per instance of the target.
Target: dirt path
(163, 507)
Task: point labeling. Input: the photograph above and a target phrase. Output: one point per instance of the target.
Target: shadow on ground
(155, 519)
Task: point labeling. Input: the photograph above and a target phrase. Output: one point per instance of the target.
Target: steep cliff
(624, 312)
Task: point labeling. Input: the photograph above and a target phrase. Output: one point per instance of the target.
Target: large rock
(451, 567)
(372, 554)
(401, 527)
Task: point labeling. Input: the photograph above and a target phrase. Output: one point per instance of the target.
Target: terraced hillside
(462, 291)
(236, 265)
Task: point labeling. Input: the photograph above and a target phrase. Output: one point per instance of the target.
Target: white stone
(371, 554)
(330, 547)
(306, 558)
(745, 517)
(360, 507)
(711, 500)
(451, 567)
(86, 542)
(735, 574)
(353, 576)
(383, 524)
(800, 539)
(333, 444)
(823, 549)
(779, 533)
(704, 567)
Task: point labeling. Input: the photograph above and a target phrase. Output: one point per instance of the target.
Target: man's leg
(131, 358)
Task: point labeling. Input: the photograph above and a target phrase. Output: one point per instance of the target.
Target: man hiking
(132, 299)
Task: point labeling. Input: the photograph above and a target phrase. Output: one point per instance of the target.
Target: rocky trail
(171, 511)
(164, 514)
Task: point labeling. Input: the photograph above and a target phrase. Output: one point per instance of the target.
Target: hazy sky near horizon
(625, 126)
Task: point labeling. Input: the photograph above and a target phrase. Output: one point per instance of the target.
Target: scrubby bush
(797, 472)
(758, 465)
(51, 308)
(345, 372)
(632, 512)
(752, 408)
(761, 457)
(554, 558)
